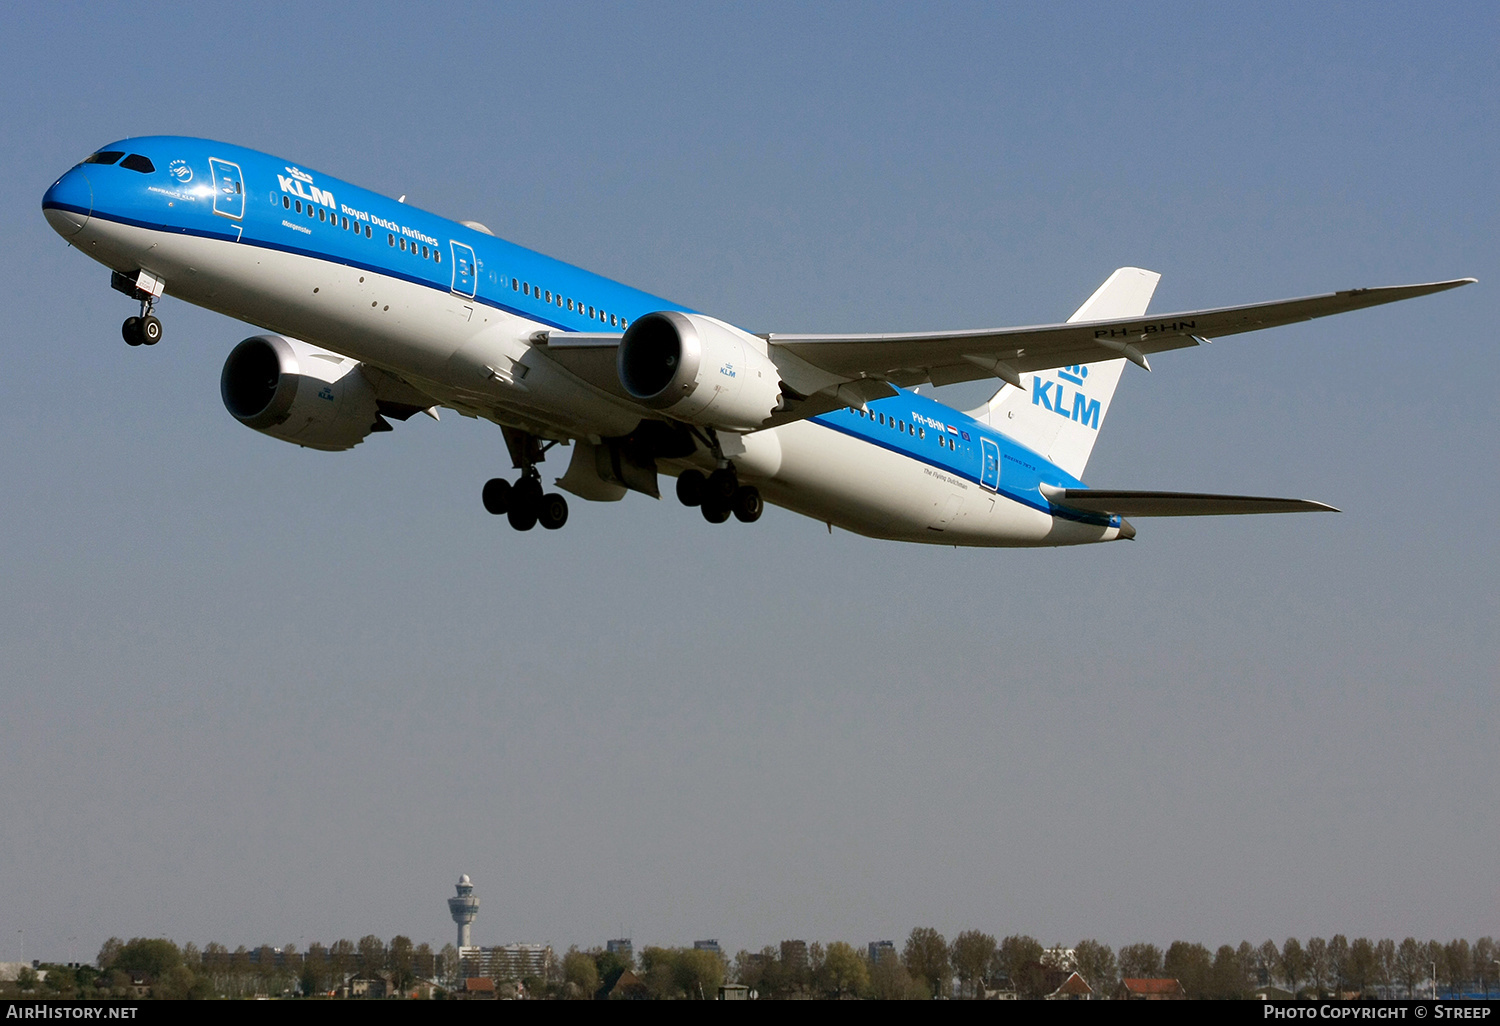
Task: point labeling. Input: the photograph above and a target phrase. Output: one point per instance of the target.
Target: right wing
(944, 358)
(824, 372)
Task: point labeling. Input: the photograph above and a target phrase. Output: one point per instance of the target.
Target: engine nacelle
(700, 370)
(299, 393)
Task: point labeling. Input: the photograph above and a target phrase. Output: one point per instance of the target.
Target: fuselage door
(229, 188)
(465, 277)
(989, 465)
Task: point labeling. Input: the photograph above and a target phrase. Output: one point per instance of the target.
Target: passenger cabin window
(136, 162)
(286, 201)
(369, 234)
(105, 157)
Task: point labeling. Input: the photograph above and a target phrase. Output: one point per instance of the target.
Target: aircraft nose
(69, 204)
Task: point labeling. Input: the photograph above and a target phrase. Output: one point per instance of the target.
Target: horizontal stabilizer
(1174, 504)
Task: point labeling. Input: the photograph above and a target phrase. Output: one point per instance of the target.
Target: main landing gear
(720, 494)
(524, 503)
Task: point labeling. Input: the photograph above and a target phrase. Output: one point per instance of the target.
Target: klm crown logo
(1083, 410)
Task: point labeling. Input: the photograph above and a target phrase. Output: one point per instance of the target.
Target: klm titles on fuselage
(299, 183)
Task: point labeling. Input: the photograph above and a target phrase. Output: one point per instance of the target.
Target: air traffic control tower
(464, 907)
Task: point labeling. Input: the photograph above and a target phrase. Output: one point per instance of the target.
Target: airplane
(371, 310)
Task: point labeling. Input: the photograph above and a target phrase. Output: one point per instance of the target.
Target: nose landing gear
(144, 330)
(141, 331)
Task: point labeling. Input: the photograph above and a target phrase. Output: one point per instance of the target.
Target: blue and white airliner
(371, 311)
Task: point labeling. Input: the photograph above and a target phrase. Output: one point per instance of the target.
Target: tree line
(927, 966)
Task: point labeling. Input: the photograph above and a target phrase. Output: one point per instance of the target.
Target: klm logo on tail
(1053, 395)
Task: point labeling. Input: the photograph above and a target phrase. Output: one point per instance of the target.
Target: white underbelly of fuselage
(466, 355)
(873, 491)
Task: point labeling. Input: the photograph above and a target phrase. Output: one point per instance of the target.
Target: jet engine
(299, 393)
(700, 370)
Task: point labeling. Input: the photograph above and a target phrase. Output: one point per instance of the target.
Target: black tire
(553, 512)
(496, 495)
(715, 512)
(131, 331)
(528, 493)
(721, 485)
(521, 517)
(748, 505)
(150, 330)
(690, 485)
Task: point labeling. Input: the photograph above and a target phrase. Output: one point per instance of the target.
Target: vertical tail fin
(1059, 412)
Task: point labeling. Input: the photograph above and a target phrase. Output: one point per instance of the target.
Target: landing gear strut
(524, 503)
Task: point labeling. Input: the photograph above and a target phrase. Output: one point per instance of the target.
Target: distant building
(794, 954)
(506, 961)
(478, 988)
(464, 907)
(988, 992)
(708, 945)
(1150, 990)
(370, 986)
(880, 949)
(1062, 958)
(620, 946)
(629, 988)
(1074, 988)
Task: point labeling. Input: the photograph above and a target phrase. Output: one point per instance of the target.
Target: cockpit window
(105, 157)
(136, 162)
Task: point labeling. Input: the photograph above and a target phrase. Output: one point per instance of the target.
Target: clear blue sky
(254, 694)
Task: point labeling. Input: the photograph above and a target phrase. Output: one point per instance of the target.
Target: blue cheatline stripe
(1060, 513)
